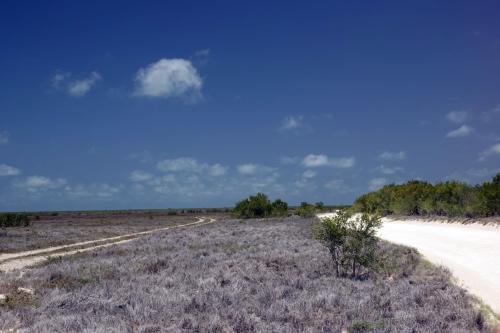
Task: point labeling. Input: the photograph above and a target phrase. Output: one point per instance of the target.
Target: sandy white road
(19, 260)
(471, 252)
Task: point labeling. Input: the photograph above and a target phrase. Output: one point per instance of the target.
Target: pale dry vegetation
(251, 276)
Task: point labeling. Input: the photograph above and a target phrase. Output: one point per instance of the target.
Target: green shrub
(259, 206)
(352, 241)
(14, 220)
(306, 210)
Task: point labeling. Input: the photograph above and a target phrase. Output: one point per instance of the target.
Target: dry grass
(254, 276)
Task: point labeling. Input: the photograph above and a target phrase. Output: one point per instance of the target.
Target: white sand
(470, 251)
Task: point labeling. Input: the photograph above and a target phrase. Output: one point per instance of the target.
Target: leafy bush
(351, 240)
(449, 198)
(14, 220)
(260, 206)
(306, 210)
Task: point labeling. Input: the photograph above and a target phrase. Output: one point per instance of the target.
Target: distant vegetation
(14, 220)
(451, 198)
(260, 206)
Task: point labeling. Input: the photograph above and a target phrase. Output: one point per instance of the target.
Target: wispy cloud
(287, 160)
(376, 183)
(393, 156)
(389, 170)
(41, 183)
(75, 87)
(309, 174)
(169, 78)
(191, 165)
(292, 123)
(460, 132)
(7, 170)
(493, 150)
(320, 160)
(140, 176)
(4, 137)
(247, 169)
(457, 117)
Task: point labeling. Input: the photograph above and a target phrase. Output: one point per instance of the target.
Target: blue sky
(192, 104)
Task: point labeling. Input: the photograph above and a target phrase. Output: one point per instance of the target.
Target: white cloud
(389, 170)
(292, 122)
(460, 132)
(39, 183)
(79, 88)
(309, 174)
(493, 150)
(7, 170)
(191, 165)
(376, 183)
(4, 137)
(140, 176)
(457, 117)
(392, 156)
(168, 78)
(313, 161)
(247, 169)
(339, 186)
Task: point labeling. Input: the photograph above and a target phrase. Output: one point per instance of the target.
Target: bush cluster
(14, 220)
(260, 206)
(352, 241)
(451, 198)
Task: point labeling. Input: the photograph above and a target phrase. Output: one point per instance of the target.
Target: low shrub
(14, 220)
(306, 210)
(259, 205)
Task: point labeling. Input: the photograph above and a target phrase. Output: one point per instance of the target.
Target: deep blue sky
(197, 103)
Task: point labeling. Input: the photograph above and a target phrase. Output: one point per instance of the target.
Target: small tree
(306, 210)
(279, 207)
(351, 240)
(259, 206)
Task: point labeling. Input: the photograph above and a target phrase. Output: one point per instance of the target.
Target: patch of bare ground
(252, 276)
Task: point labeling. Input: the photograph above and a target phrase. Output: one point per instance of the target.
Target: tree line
(450, 198)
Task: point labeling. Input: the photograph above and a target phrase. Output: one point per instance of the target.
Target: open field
(251, 276)
(68, 228)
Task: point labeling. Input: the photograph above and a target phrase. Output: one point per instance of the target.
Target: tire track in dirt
(13, 261)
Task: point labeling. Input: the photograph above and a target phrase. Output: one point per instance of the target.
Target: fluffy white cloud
(168, 78)
(7, 170)
(140, 176)
(4, 137)
(247, 169)
(493, 150)
(292, 122)
(392, 156)
(376, 183)
(462, 131)
(77, 87)
(313, 161)
(389, 170)
(38, 183)
(188, 164)
(309, 174)
(457, 116)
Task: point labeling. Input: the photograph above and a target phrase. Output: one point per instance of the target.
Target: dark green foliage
(449, 198)
(171, 212)
(306, 210)
(14, 220)
(352, 241)
(260, 206)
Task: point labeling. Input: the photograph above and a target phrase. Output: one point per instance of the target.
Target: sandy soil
(12, 261)
(470, 251)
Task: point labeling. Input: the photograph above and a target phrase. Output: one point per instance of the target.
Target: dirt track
(19, 260)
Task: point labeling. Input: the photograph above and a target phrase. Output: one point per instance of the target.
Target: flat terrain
(68, 228)
(471, 252)
(231, 276)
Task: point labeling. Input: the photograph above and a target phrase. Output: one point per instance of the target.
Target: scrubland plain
(253, 276)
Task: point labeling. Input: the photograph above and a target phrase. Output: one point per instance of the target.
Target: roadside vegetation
(449, 198)
(259, 206)
(14, 220)
(234, 276)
